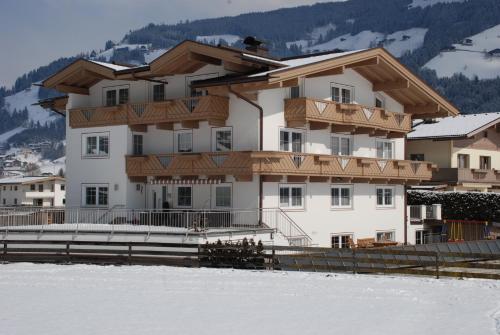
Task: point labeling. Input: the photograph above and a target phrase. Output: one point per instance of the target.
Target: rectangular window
(463, 161)
(342, 93)
(96, 195)
(3, 201)
(63, 187)
(385, 196)
(159, 92)
(342, 241)
(341, 145)
(222, 139)
(379, 102)
(15, 188)
(184, 141)
(122, 96)
(291, 141)
(341, 196)
(111, 98)
(40, 187)
(184, 196)
(417, 157)
(137, 144)
(422, 237)
(386, 236)
(385, 149)
(15, 201)
(295, 92)
(32, 187)
(223, 196)
(96, 145)
(484, 162)
(292, 196)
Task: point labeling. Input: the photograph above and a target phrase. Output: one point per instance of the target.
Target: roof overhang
(57, 104)
(378, 66)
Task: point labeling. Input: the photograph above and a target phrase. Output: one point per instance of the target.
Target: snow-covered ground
(471, 60)
(426, 3)
(85, 299)
(26, 99)
(215, 39)
(4, 137)
(397, 43)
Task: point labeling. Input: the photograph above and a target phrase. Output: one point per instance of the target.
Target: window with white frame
(95, 195)
(95, 145)
(294, 92)
(223, 196)
(116, 95)
(222, 139)
(386, 236)
(385, 149)
(291, 196)
(342, 93)
(379, 101)
(385, 196)
(184, 141)
(184, 196)
(159, 92)
(291, 140)
(341, 145)
(341, 196)
(422, 236)
(137, 144)
(342, 241)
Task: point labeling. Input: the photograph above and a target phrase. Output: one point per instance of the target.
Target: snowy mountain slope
(108, 54)
(26, 99)
(397, 43)
(314, 36)
(153, 54)
(427, 3)
(8, 134)
(470, 60)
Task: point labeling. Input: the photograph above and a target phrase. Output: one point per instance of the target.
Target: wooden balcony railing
(351, 118)
(276, 164)
(214, 109)
(456, 175)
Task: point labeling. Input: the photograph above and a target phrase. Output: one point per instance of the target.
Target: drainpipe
(261, 141)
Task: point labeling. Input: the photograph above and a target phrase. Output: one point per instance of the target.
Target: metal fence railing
(149, 220)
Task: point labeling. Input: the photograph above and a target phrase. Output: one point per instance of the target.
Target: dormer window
(342, 93)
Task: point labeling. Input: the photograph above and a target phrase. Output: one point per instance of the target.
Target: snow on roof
(306, 60)
(263, 59)
(24, 180)
(453, 126)
(110, 66)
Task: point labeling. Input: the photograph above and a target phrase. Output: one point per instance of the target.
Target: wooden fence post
(437, 264)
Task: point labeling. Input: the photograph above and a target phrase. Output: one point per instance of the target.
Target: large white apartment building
(210, 127)
(33, 191)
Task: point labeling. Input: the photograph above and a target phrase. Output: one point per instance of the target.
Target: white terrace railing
(75, 220)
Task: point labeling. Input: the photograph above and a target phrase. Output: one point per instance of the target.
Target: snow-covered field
(84, 299)
(471, 60)
(26, 99)
(426, 3)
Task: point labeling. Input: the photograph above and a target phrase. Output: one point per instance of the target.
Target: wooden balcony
(351, 118)
(188, 111)
(245, 164)
(460, 176)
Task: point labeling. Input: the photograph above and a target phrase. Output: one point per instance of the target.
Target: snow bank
(84, 299)
(470, 60)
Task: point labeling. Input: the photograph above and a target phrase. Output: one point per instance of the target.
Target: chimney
(254, 45)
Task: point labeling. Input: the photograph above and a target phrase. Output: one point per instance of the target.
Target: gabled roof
(466, 125)
(28, 180)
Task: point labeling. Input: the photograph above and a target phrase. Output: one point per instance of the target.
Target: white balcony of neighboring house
(38, 195)
(421, 213)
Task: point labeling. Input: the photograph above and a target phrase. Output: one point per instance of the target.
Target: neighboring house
(33, 191)
(320, 137)
(466, 149)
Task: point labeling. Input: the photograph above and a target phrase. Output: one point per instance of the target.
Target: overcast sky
(35, 32)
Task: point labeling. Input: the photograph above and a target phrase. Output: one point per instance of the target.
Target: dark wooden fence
(247, 255)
